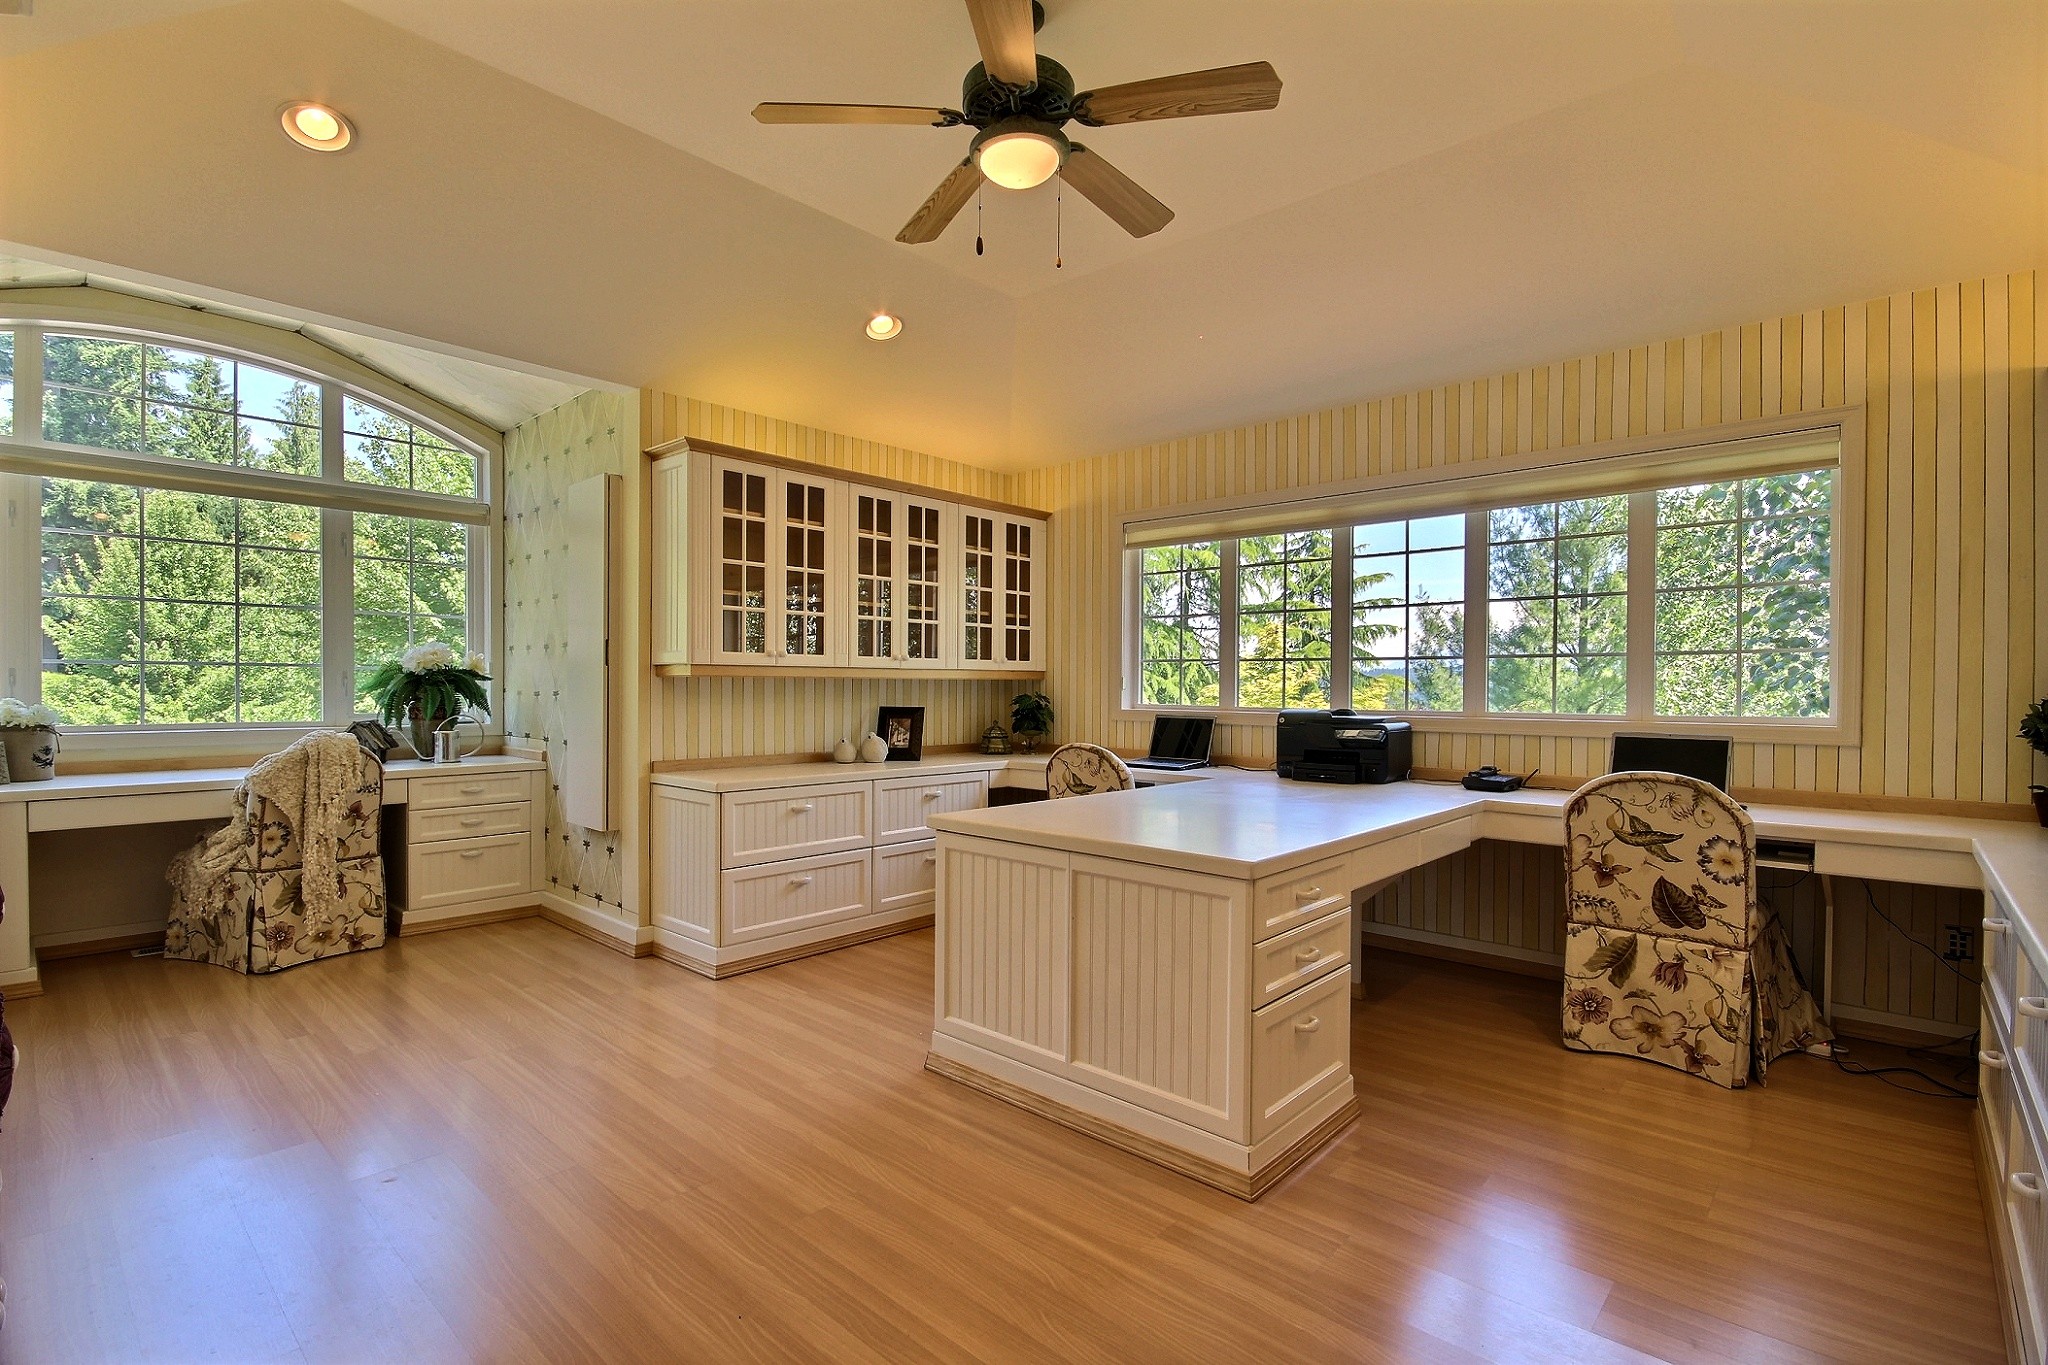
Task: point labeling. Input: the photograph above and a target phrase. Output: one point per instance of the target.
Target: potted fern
(425, 688)
(1030, 719)
(2034, 730)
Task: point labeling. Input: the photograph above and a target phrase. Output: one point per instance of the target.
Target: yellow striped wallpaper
(1951, 643)
(743, 717)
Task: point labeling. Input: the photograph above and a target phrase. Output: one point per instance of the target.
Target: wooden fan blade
(1006, 36)
(853, 113)
(948, 199)
(1225, 90)
(1115, 193)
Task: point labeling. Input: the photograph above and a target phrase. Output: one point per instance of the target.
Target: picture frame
(902, 729)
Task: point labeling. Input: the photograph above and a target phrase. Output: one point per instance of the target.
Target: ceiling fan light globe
(1019, 158)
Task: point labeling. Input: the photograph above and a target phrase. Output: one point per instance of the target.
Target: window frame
(1473, 490)
(26, 458)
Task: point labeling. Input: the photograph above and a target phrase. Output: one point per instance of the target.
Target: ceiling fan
(1019, 100)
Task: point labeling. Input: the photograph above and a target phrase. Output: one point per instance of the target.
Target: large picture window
(1689, 602)
(209, 554)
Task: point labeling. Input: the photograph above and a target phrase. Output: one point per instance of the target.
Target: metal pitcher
(448, 740)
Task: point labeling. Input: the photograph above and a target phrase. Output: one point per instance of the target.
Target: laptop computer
(1698, 756)
(1178, 743)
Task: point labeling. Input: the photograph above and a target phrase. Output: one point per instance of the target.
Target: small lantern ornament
(995, 740)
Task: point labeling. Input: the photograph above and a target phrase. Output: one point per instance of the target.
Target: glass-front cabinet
(762, 565)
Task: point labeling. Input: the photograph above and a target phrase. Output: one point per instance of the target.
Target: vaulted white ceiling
(1445, 188)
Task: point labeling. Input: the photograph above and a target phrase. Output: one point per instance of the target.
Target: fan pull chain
(977, 220)
(1059, 225)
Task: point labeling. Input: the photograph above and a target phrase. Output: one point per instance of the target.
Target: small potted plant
(1030, 720)
(28, 733)
(2034, 730)
(425, 688)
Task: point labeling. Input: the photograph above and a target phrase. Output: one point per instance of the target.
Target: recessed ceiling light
(317, 126)
(882, 326)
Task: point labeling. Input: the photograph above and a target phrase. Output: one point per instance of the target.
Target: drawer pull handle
(799, 881)
(472, 853)
(930, 858)
(1309, 954)
(933, 794)
(472, 821)
(802, 807)
(1309, 893)
(1309, 1025)
(2025, 1184)
(1997, 926)
(2034, 1006)
(1993, 1058)
(473, 789)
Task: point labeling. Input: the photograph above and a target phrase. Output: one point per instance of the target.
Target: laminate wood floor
(508, 1143)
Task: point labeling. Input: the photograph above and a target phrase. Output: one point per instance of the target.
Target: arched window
(232, 526)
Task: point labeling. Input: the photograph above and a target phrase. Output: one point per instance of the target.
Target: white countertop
(160, 780)
(816, 774)
(1248, 824)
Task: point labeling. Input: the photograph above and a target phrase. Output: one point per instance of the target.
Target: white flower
(477, 665)
(427, 657)
(16, 714)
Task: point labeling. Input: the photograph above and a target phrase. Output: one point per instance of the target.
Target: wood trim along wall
(698, 444)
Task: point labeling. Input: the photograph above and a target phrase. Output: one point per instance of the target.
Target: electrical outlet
(1961, 943)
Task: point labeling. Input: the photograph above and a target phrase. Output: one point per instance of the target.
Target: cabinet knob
(801, 807)
(799, 881)
(930, 858)
(1309, 954)
(933, 794)
(1309, 1025)
(1309, 893)
(2025, 1184)
(471, 821)
(473, 789)
(473, 853)
(1992, 1058)
(2034, 1006)
(1997, 926)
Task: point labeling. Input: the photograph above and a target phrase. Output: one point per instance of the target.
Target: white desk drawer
(1288, 961)
(903, 805)
(1301, 1046)
(458, 870)
(465, 789)
(2006, 972)
(2025, 1208)
(1994, 1092)
(1294, 898)
(468, 822)
(905, 875)
(760, 902)
(792, 822)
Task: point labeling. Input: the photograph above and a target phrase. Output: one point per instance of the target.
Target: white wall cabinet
(763, 564)
(749, 871)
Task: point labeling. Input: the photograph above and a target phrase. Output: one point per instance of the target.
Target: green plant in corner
(2034, 730)
(425, 688)
(1030, 719)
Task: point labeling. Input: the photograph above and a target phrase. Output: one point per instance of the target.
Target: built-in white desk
(1163, 968)
(500, 784)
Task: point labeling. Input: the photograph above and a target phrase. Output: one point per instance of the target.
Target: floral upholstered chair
(1083, 770)
(251, 908)
(1668, 953)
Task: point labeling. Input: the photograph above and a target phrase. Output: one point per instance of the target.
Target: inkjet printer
(1343, 746)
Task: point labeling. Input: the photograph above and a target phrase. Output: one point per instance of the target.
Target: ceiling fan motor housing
(985, 100)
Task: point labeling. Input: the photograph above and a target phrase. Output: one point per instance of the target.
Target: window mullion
(1477, 537)
(337, 577)
(1641, 661)
(1340, 616)
(1226, 635)
(28, 384)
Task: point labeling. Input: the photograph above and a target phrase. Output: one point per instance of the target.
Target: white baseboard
(98, 933)
(631, 938)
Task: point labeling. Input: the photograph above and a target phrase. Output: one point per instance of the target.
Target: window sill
(1830, 732)
(95, 743)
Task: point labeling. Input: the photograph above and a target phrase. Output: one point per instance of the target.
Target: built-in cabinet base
(720, 963)
(1246, 1172)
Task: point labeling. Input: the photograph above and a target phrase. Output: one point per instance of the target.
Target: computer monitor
(1701, 756)
(1182, 738)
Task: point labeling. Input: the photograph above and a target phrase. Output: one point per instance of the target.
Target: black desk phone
(1492, 779)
